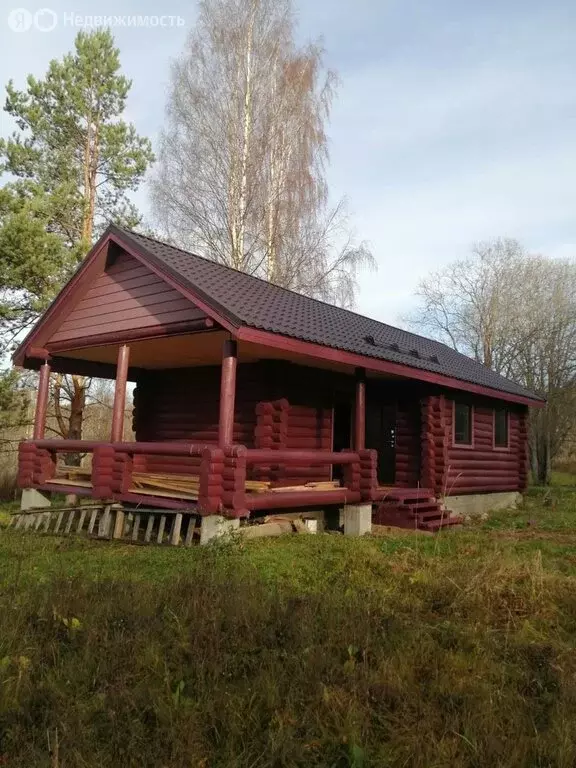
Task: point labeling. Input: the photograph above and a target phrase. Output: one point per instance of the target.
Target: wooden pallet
(111, 521)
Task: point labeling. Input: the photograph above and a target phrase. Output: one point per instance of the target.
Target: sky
(455, 121)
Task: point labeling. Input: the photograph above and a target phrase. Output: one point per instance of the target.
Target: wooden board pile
(81, 477)
(186, 486)
(321, 485)
(180, 486)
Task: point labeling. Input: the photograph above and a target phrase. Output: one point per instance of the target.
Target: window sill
(466, 446)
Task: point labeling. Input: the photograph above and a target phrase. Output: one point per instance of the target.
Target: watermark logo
(22, 20)
(45, 20)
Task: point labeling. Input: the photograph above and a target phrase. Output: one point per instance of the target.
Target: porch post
(360, 410)
(42, 402)
(120, 394)
(227, 393)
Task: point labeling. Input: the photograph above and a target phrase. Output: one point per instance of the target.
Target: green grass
(563, 478)
(5, 510)
(455, 650)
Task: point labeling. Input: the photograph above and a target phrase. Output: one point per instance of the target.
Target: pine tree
(68, 169)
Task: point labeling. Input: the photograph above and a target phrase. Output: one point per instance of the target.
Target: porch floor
(185, 487)
(177, 487)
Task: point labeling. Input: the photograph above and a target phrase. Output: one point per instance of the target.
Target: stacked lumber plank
(81, 477)
(187, 486)
(180, 486)
(322, 485)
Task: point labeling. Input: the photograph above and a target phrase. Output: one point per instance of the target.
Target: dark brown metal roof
(245, 300)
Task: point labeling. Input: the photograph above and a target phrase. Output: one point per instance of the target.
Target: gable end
(127, 296)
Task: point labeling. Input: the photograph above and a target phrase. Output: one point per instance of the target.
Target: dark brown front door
(381, 435)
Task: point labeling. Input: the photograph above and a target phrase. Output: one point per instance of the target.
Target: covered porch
(214, 475)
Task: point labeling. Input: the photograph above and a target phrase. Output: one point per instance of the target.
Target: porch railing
(38, 459)
(222, 473)
(359, 478)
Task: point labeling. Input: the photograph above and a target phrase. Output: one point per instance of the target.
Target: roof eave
(376, 365)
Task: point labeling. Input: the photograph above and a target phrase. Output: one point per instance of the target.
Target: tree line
(514, 312)
(239, 175)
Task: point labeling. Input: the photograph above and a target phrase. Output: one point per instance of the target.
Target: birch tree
(241, 173)
(515, 313)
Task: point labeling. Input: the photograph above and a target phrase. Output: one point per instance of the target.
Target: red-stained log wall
(434, 447)
(182, 404)
(291, 407)
(482, 468)
(310, 393)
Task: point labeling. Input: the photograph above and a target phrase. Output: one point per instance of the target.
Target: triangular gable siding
(127, 296)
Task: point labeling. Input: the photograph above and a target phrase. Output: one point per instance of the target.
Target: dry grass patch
(301, 651)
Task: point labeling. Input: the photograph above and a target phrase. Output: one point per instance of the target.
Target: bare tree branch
(514, 313)
(241, 174)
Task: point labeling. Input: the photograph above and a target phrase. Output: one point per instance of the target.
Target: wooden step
(405, 494)
(416, 509)
(429, 517)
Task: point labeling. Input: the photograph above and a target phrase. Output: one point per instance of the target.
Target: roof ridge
(283, 288)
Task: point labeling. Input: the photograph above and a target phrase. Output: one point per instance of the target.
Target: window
(462, 424)
(500, 428)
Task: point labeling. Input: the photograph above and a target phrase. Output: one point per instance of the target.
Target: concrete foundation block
(357, 519)
(33, 499)
(216, 526)
(479, 505)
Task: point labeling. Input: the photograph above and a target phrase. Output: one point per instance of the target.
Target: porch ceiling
(197, 349)
(166, 352)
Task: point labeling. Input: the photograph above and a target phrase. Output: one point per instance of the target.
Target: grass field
(454, 650)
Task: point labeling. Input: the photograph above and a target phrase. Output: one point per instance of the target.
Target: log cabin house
(250, 398)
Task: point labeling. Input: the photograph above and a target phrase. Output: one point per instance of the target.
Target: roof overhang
(318, 351)
(34, 348)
